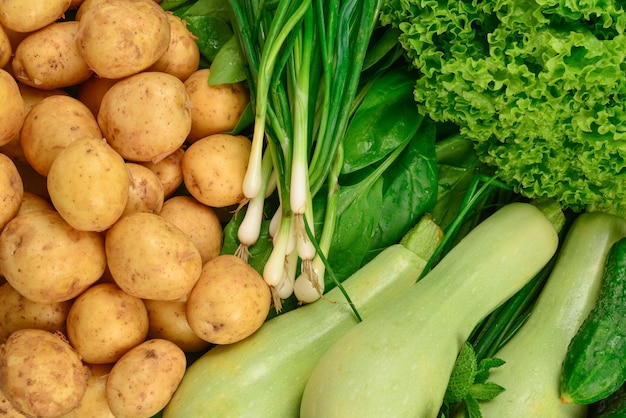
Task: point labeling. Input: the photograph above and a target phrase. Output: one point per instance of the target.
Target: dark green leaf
(410, 189)
(173, 4)
(353, 230)
(484, 366)
(259, 252)
(386, 119)
(384, 43)
(228, 66)
(472, 408)
(216, 8)
(212, 32)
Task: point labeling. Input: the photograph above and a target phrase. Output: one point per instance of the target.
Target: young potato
(214, 168)
(151, 258)
(169, 171)
(41, 374)
(52, 124)
(48, 261)
(7, 410)
(30, 15)
(94, 403)
(88, 184)
(145, 117)
(216, 108)
(18, 312)
(119, 38)
(229, 302)
(91, 91)
(11, 190)
(198, 221)
(143, 381)
(6, 49)
(49, 58)
(145, 192)
(12, 110)
(182, 57)
(104, 322)
(168, 320)
(32, 202)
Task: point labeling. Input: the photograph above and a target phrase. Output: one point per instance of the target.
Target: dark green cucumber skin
(595, 365)
(612, 407)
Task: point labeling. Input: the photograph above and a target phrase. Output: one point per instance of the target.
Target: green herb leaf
(485, 391)
(472, 408)
(462, 376)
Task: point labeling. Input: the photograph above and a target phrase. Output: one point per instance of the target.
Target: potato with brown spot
(214, 168)
(50, 125)
(18, 312)
(216, 108)
(12, 110)
(229, 302)
(182, 57)
(88, 184)
(145, 193)
(49, 58)
(94, 403)
(29, 15)
(151, 258)
(169, 171)
(145, 117)
(168, 320)
(48, 261)
(41, 374)
(143, 381)
(119, 38)
(11, 190)
(105, 322)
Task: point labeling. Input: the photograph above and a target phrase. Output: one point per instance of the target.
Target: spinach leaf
(228, 65)
(386, 118)
(410, 189)
(259, 252)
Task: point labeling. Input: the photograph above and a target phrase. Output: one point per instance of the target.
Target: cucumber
(595, 365)
(613, 406)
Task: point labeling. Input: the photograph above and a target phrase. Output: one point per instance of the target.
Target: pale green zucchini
(534, 356)
(397, 362)
(264, 375)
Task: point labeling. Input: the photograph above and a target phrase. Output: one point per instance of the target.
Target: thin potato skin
(144, 379)
(29, 15)
(41, 374)
(12, 111)
(229, 302)
(11, 190)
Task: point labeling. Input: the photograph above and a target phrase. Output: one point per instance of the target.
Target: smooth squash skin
(595, 366)
(264, 375)
(397, 362)
(534, 356)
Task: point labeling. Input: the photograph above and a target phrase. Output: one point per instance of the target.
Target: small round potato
(182, 57)
(105, 322)
(88, 184)
(47, 260)
(143, 381)
(168, 321)
(8, 410)
(169, 171)
(49, 58)
(198, 221)
(30, 15)
(41, 374)
(52, 124)
(18, 312)
(214, 168)
(145, 117)
(151, 258)
(145, 192)
(11, 190)
(216, 108)
(119, 38)
(12, 110)
(94, 403)
(229, 302)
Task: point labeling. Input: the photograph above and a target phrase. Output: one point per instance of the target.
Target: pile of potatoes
(117, 174)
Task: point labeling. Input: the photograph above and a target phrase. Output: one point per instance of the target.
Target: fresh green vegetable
(534, 355)
(264, 375)
(614, 406)
(397, 362)
(539, 86)
(595, 365)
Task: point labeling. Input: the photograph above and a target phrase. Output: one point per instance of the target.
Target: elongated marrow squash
(534, 355)
(264, 375)
(595, 365)
(397, 362)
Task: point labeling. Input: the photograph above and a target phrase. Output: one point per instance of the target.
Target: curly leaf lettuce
(538, 86)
